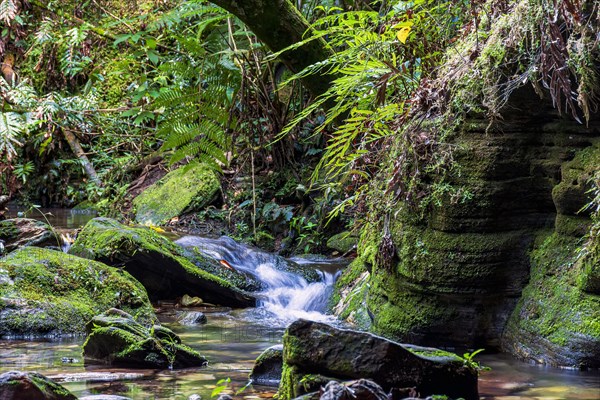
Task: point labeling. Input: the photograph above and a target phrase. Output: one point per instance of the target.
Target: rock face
(115, 338)
(189, 187)
(557, 320)
(159, 264)
(457, 273)
(16, 385)
(312, 348)
(20, 232)
(268, 367)
(49, 293)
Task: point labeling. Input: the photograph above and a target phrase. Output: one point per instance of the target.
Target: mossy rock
(349, 299)
(159, 264)
(49, 293)
(319, 350)
(20, 232)
(556, 322)
(187, 188)
(31, 386)
(342, 242)
(268, 367)
(116, 338)
(571, 195)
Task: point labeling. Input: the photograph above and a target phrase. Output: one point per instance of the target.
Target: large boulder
(160, 265)
(268, 366)
(313, 348)
(45, 292)
(16, 385)
(20, 232)
(187, 188)
(115, 338)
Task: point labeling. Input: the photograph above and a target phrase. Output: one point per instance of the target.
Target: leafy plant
(469, 361)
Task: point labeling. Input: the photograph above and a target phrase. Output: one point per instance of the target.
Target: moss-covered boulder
(342, 242)
(115, 338)
(187, 188)
(49, 293)
(316, 349)
(349, 299)
(268, 366)
(17, 385)
(20, 232)
(160, 265)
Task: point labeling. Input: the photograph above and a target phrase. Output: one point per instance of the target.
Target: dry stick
(80, 154)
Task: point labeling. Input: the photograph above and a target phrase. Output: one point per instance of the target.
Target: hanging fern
(8, 11)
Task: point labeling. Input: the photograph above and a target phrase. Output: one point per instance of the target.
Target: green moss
(555, 321)
(342, 242)
(107, 240)
(187, 188)
(56, 293)
(348, 301)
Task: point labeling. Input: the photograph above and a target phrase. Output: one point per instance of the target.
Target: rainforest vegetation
(451, 148)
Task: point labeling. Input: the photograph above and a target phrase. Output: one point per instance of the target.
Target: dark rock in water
(16, 385)
(115, 338)
(316, 348)
(192, 318)
(362, 389)
(49, 293)
(268, 366)
(21, 232)
(159, 264)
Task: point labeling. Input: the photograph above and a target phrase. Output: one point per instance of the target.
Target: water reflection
(62, 218)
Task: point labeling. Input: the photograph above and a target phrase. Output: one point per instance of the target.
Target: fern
(8, 11)
(12, 126)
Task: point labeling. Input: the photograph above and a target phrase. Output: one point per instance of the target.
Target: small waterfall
(287, 295)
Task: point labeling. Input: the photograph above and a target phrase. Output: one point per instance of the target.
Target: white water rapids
(287, 295)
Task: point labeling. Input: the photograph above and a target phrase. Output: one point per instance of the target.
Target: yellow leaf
(403, 33)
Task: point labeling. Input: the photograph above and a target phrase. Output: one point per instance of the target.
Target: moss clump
(555, 322)
(187, 188)
(47, 292)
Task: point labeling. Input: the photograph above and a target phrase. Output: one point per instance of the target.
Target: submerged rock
(192, 318)
(16, 385)
(268, 366)
(159, 264)
(115, 338)
(49, 293)
(21, 232)
(362, 389)
(311, 348)
(189, 187)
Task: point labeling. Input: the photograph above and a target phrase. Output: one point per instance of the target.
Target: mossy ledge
(49, 293)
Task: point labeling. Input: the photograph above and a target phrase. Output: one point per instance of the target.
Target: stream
(232, 339)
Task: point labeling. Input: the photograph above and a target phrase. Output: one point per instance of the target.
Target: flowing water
(231, 340)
